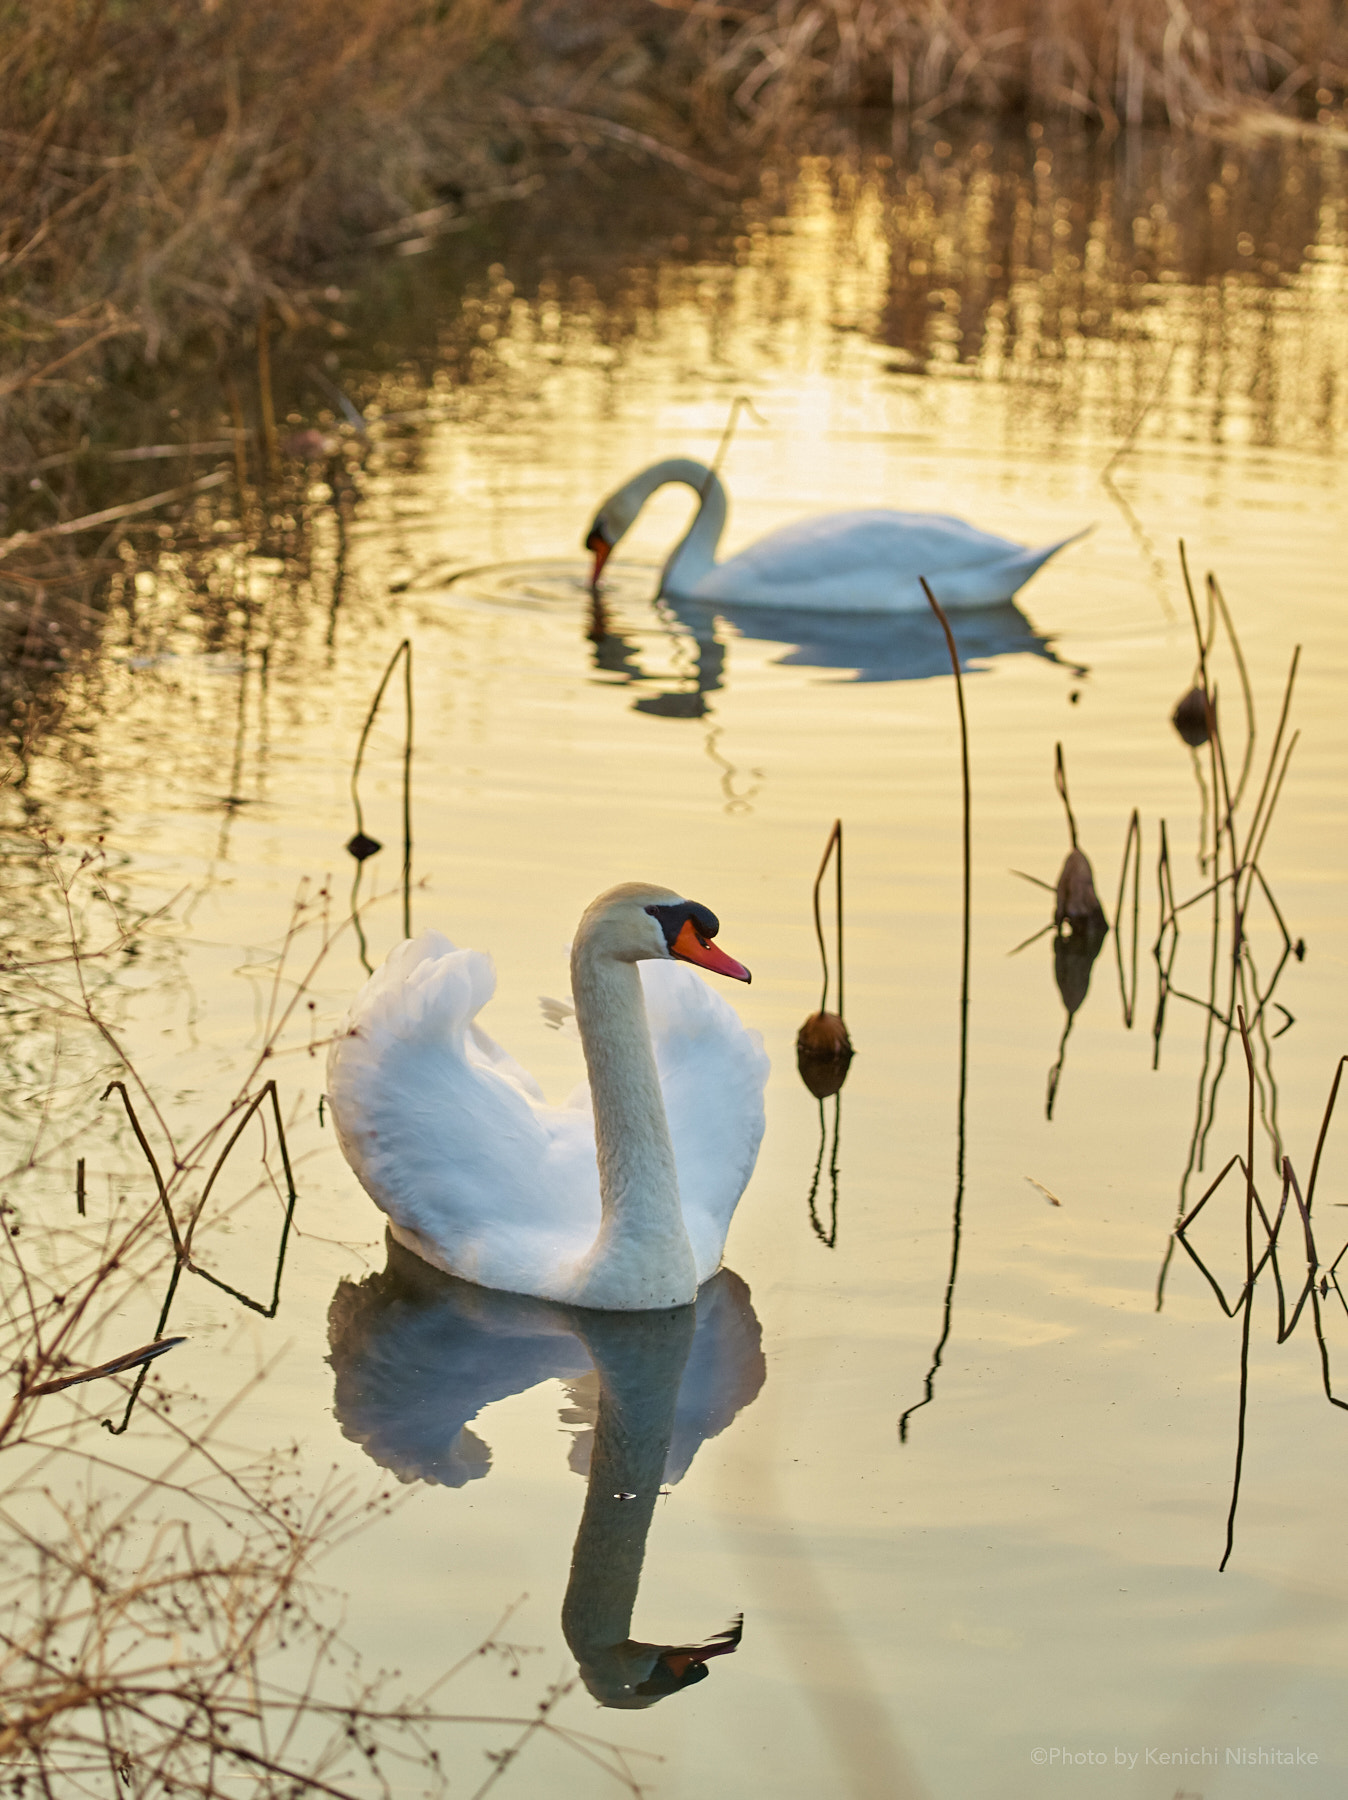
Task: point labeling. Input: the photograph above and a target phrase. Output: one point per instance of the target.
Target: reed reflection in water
(418, 1354)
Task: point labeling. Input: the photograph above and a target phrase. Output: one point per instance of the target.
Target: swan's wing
(449, 1135)
(871, 561)
(413, 1368)
(989, 583)
(712, 1074)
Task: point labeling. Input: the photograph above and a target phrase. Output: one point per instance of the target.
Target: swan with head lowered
(621, 1198)
(869, 561)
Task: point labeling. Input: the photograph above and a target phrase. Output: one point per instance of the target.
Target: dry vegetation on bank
(169, 166)
(1141, 62)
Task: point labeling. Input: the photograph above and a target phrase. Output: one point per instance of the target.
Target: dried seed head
(823, 1054)
(1077, 902)
(1190, 718)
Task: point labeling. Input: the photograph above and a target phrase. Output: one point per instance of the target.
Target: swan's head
(641, 923)
(614, 518)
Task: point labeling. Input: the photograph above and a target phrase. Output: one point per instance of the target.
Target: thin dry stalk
(823, 1038)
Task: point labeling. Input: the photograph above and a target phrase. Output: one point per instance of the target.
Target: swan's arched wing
(712, 1074)
(989, 583)
(449, 1135)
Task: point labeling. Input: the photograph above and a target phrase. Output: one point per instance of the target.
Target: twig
(1215, 595)
(115, 1365)
(404, 650)
(129, 510)
(1132, 842)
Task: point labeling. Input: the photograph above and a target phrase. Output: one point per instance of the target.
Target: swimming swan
(842, 562)
(623, 1203)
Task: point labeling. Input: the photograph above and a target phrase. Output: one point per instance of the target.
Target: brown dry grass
(1129, 62)
(166, 165)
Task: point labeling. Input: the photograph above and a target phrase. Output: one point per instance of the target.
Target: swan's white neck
(695, 554)
(641, 1257)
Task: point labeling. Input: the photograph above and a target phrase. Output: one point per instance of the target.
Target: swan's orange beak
(689, 946)
(601, 547)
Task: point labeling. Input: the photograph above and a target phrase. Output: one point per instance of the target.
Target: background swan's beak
(601, 547)
(689, 947)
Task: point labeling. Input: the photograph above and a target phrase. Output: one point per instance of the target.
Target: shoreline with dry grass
(1209, 66)
(169, 170)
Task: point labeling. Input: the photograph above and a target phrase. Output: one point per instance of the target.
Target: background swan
(620, 1198)
(843, 562)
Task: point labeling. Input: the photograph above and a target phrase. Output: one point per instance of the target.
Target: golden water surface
(1036, 339)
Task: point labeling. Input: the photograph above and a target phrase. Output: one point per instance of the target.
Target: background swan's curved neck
(641, 1257)
(695, 553)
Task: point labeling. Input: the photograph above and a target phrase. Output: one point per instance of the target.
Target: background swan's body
(482, 1178)
(842, 562)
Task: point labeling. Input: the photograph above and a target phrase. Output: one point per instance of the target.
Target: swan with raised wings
(622, 1197)
(843, 562)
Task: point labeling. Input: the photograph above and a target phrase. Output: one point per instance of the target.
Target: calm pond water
(1024, 1573)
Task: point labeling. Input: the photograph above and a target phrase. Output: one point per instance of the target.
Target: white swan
(622, 1204)
(842, 562)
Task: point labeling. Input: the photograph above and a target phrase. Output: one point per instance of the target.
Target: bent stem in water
(957, 1220)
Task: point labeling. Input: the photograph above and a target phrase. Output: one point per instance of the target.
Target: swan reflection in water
(868, 646)
(417, 1354)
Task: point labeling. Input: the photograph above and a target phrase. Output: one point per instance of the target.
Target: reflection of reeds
(1230, 853)
(1267, 1257)
(1077, 906)
(827, 1235)
(1132, 847)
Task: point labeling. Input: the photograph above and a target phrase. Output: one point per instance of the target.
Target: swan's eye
(672, 919)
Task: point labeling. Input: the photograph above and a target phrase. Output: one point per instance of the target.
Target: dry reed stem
(1243, 1303)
